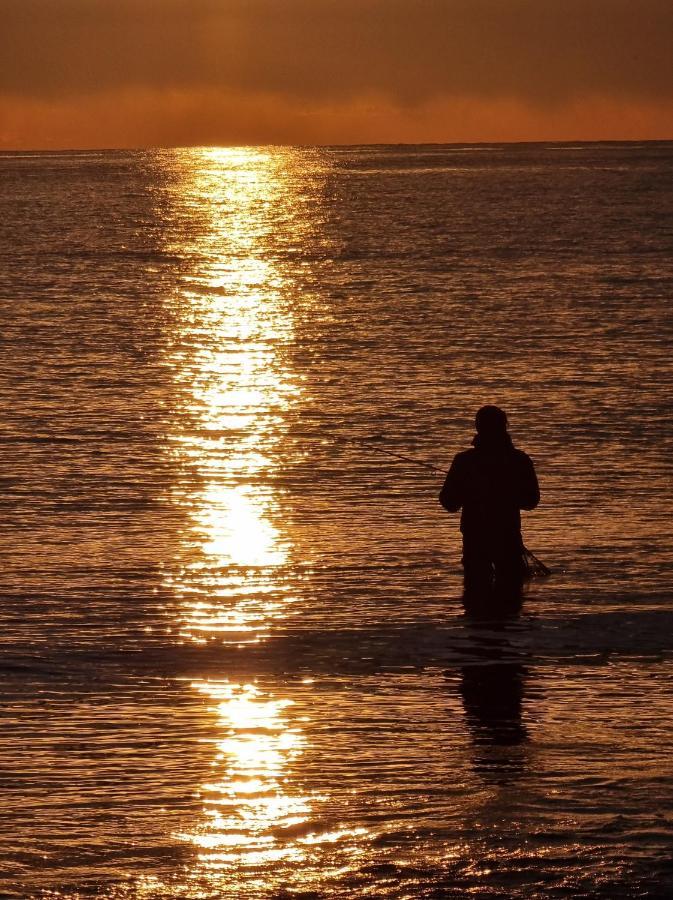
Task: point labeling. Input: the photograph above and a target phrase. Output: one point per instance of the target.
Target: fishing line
(535, 566)
(410, 459)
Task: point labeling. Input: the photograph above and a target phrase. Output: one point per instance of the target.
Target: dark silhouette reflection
(492, 689)
(492, 695)
(491, 484)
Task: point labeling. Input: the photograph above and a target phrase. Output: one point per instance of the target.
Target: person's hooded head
(490, 420)
(491, 425)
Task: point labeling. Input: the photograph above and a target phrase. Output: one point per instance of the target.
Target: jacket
(491, 483)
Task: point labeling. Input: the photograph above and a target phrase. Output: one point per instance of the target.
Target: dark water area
(234, 658)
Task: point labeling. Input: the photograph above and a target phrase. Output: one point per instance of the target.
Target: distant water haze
(235, 660)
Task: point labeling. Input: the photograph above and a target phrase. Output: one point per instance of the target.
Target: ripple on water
(235, 662)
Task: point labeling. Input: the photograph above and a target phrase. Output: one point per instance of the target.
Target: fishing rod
(410, 459)
(535, 566)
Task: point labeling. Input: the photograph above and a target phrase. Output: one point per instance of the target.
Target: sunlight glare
(237, 388)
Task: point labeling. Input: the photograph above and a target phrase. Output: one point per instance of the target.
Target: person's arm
(451, 494)
(530, 489)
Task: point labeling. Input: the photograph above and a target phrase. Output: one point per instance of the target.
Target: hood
(493, 443)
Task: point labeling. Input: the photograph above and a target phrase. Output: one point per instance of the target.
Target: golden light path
(248, 805)
(236, 321)
(235, 324)
(239, 389)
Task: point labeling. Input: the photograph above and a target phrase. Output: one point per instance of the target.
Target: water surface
(234, 658)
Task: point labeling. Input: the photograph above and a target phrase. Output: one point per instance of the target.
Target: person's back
(491, 483)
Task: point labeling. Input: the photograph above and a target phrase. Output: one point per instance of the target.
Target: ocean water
(234, 657)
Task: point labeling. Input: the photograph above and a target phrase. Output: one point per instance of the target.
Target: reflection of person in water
(493, 688)
(491, 483)
(492, 695)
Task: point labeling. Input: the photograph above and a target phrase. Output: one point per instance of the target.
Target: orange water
(234, 658)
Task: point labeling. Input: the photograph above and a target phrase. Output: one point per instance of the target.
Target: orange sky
(132, 73)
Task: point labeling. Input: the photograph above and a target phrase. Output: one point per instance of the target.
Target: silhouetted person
(491, 484)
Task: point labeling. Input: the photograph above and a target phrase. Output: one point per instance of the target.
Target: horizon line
(331, 146)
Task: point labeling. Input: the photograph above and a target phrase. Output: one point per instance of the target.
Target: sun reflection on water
(248, 807)
(236, 391)
(236, 387)
(259, 833)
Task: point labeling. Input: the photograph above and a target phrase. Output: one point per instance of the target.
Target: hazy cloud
(410, 50)
(309, 60)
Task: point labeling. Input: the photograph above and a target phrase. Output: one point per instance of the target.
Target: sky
(139, 73)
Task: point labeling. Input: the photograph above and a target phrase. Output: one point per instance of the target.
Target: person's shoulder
(464, 456)
(522, 456)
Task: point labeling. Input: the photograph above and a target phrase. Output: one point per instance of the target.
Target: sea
(234, 657)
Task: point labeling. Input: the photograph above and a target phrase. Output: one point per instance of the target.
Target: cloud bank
(238, 71)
